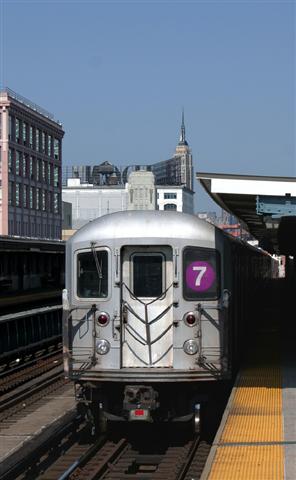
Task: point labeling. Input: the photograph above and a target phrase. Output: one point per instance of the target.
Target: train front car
(145, 315)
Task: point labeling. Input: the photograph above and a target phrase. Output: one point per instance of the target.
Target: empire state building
(179, 169)
(183, 157)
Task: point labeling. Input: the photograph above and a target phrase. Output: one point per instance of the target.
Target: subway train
(155, 313)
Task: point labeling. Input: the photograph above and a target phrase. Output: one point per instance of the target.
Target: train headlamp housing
(190, 347)
(102, 346)
(190, 319)
(103, 319)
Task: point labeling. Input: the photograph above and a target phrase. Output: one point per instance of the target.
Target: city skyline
(117, 75)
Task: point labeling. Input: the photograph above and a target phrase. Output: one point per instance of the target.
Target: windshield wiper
(98, 266)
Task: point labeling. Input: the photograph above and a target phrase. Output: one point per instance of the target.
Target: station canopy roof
(259, 202)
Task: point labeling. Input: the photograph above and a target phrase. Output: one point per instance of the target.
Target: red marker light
(139, 413)
(190, 319)
(103, 319)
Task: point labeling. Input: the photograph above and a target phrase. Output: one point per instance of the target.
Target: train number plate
(140, 414)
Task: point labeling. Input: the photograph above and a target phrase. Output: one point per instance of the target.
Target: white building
(175, 198)
(92, 201)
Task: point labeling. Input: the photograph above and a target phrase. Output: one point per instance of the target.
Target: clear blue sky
(117, 75)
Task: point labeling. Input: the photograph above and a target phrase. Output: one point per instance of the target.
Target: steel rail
(122, 461)
(29, 369)
(28, 461)
(97, 460)
(33, 391)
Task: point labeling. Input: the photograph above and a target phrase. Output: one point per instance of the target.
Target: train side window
(92, 275)
(148, 275)
(201, 273)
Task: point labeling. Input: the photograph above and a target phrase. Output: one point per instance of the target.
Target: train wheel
(196, 418)
(102, 422)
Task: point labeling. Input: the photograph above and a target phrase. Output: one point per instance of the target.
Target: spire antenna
(182, 136)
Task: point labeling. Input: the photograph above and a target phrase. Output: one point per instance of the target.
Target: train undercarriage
(179, 403)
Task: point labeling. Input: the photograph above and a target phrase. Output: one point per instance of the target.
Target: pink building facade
(30, 169)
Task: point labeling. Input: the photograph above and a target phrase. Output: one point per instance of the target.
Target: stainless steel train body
(154, 309)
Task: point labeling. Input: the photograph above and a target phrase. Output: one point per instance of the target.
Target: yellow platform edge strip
(255, 418)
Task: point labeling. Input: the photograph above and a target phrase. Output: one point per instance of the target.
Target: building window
(17, 130)
(170, 206)
(43, 201)
(24, 165)
(49, 145)
(25, 198)
(170, 195)
(24, 133)
(31, 197)
(56, 148)
(38, 167)
(43, 142)
(43, 170)
(10, 128)
(37, 139)
(48, 173)
(31, 167)
(10, 161)
(17, 194)
(37, 198)
(17, 162)
(56, 203)
(10, 188)
(56, 177)
(31, 137)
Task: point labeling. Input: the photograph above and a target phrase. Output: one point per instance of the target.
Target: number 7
(201, 271)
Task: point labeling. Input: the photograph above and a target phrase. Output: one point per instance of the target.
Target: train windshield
(201, 273)
(92, 274)
(147, 275)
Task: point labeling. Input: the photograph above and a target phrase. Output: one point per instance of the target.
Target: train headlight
(103, 319)
(190, 319)
(190, 347)
(103, 346)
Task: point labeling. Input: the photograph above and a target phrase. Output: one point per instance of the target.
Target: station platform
(257, 435)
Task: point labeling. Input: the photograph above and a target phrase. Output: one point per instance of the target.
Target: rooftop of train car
(143, 224)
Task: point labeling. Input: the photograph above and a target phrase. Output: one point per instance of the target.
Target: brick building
(30, 169)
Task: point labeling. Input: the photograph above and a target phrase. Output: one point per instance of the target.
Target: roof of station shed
(259, 202)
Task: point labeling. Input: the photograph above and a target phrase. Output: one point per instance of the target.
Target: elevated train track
(73, 454)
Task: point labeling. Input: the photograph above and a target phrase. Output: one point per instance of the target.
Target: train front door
(147, 307)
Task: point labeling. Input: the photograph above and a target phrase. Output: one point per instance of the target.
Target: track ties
(95, 464)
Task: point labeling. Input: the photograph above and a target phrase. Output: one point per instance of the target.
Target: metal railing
(28, 103)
